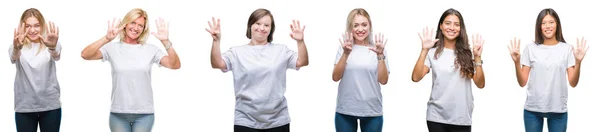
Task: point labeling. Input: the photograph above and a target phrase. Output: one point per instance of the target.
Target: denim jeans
(534, 121)
(347, 123)
(125, 122)
(49, 121)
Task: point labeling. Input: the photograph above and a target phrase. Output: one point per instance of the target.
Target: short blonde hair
(130, 17)
(362, 12)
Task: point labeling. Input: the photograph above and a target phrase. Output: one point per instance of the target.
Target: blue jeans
(49, 121)
(347, 123)
(534, 121)
(124, 122)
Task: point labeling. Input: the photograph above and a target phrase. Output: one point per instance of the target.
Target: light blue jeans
(125, 122)
(534, 121)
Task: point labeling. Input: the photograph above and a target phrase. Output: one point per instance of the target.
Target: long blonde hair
(131, 16)
(350, 20)
(33, 12)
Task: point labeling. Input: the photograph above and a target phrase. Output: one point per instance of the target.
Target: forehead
(360, 19)
(31, 20)
(265, 19)
(451, 18)
(139, 20)
(548, 18)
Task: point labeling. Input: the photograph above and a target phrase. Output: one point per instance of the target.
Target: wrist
(300, 41)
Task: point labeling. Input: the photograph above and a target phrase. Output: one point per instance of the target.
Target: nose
(262, 28)
(30, 29)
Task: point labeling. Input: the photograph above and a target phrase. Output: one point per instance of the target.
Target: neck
(550, 41)
(255, 42)
(450, 44)
(129, 40)
(361, 42)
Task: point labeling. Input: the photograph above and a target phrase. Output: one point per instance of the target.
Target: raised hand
(163, 30)
(215, 29)
(427, 38)
(297, 32)
(477, 45)
(581, 49)
(19, 37)
(515, 49)
(114, 29)
(51, 37)
(347, 41)
(380, 43)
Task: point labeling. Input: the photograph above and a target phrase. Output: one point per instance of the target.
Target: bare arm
(382, 72)
(302, 55)
(92, 51)
(170, 61)
(215, 56)
(573, 73)
(420, 70)
(479, 77)
(338, 69)
(522, 73)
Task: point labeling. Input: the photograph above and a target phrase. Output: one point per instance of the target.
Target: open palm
(51, 37)
(346, 41)
(163, 30)
(19, 36)
(514, 49)
(380, 43)
(477, 45)
(297, 31)
(581, 49)
(114, 29)
(426, 37)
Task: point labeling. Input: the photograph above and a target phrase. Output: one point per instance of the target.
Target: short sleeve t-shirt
(131, 66)
(547, 89)
(259, 77)
(36, 85)
(359, 91)
(451, 100)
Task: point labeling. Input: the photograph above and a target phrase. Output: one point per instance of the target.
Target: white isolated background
(200, 99)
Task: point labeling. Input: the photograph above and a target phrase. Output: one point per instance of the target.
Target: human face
(451, 27)
(33, 28)
(548, 27)
(134, 29)
(360, 28)
(261, 29)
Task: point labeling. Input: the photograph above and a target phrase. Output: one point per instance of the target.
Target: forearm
(215, 55)
(302, 54)
(172, 54)
(479, 77)
(418, 73)
(15, 55)
(574, 79)
(338, 70)
(518, 72)
(55, 52)
(382, 72)
(92, 49)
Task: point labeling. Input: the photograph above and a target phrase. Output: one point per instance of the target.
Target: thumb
(42, 37)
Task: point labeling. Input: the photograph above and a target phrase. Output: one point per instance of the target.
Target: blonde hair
(33, 12)
(362, 12)
(130, 17)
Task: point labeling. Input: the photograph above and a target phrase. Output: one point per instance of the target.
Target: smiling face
(360, 28)
(548, 27)
(451, 27)
(261, 29)
(33, 28)
(135, 28)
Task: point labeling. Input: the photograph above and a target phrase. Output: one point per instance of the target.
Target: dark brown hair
(257, 15)
(539, 36)
(464, 56)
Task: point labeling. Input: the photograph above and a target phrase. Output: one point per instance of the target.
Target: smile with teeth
(133, 31)
(450, 33)
(361, 33)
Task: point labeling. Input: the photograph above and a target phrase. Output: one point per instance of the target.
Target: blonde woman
(361, 67)
(34, 52)
(131, 59)
(259, 72)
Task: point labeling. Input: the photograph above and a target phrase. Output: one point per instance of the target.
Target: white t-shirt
(359, 91)
(131, 66)
(259, 77)
(547, 89)
(36, 86)
(451, 100)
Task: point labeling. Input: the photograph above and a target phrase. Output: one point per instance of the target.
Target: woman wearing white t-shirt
(361, 66)
(131, 59)
(453, 65)
(34, 52)
(544, 67)
(259, 72)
